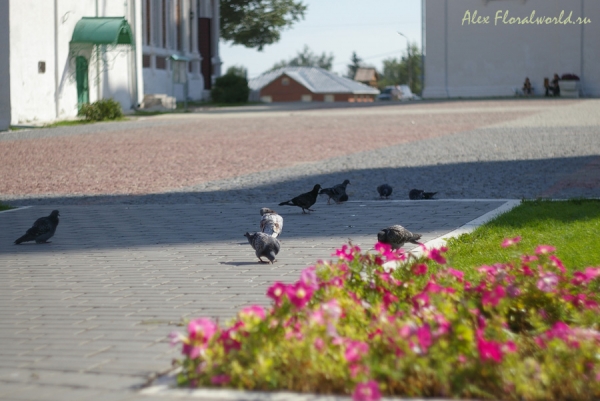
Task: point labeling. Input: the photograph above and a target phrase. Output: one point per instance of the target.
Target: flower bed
(523, 330)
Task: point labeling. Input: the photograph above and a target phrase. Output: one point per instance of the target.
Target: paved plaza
(146, 241)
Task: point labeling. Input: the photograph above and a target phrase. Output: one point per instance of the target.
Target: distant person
(553, 86)
(527, 87)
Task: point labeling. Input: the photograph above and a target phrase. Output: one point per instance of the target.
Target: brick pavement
(87, 316)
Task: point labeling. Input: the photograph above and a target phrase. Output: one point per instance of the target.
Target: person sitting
(553, 86)
(527, 87)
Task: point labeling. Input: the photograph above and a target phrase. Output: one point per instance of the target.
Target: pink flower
(513, 291)
(175, 338)
(220, 379)
(355, 350)
(591, 273)
(319, 344)
(309, 278)
(332, 309)
(493, 297)
(346, 253)
(557, 263)
(420, 269)
(421, 300)
(489, 350)
(424, 338)
(547, 282)
(510, 241)
(277, 291)
(202, 330)
(435, 254)
(192, 351)
(386, 251)
(368, 391)
(299, 294)
(254, 310)
(388, 299)
(337, 282)
(529, 258)
(456, 273)
(509, 347)
(544, 249)
(433, 287)
(229, 343)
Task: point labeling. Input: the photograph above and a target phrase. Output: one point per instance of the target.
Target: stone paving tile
(91, 311)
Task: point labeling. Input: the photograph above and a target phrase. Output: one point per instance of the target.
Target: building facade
(480, 48)
(57, 55)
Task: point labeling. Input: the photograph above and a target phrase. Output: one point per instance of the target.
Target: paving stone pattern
(87, 316)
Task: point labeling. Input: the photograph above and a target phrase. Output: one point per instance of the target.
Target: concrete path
(86, 317)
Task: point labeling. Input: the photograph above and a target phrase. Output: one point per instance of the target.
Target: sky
(370, 28)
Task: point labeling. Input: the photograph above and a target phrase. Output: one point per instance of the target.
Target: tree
(356, 63)
(257, 23)
(396, 71)
(238, 70)
(306, 58)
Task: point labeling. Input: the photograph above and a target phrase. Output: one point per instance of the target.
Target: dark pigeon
(305, 200)
(384, 190)
(271, 223)
(337, 192)
(416, 194)
(396, 236)
(42, 230)
(264, 246)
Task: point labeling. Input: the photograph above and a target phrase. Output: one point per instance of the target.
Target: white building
(477, 48)
(56, 55)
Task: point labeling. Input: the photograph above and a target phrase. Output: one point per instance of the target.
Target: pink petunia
(547, 282)
(175, 338)
(355, 350)
(421, 300)
(510, 241)
(544, 249)
(556, 262)
(493, 297)
(435, 254)
(254, 310)
(424, 337)
(456, 273)
(368, 391)
(346, 253)
(299, 294)
(388, 299)
(332, 309)
(319, 344)
(513, 291)
(192, 351)
(489, 350)
(420, 269)
(228, 340)
(202, 330)
(220, 379)
(277, 291)
(309, 277)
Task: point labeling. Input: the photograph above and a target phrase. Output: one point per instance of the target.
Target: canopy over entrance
(102, 31)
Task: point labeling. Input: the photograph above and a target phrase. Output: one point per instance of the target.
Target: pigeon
(264, 245)
(396, 236)
(416, 194)
(305, 200)
(337, 192)
(42, 230)
(271, 223)
(384, 190)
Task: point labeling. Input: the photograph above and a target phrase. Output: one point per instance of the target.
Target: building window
(285, 81)
(147, 20)
(178, 24)
(161, 63)
(163, 22)
(329, 98)
(146, 60)
(307, 98)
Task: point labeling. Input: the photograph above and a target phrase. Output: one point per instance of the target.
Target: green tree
(401, 71)
(257, 23)
(238, 70)
(306, 58)
(355, 64)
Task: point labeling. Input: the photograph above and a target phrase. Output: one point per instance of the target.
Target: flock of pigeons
(265, 242)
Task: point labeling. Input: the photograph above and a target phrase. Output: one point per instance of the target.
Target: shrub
(522, 330)
(230, 88)
(104, 109)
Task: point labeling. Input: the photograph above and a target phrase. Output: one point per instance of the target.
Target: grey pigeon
(337, 192)
(305, 200)
(384, 190)
(416, 194)
(264, 245)
(396, 236)
(42, 230)
(271, 223)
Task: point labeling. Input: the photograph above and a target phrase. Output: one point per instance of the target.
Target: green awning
(177, 57)
(103, 31)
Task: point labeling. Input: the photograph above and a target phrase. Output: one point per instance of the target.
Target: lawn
(571, 226)
(4, 207)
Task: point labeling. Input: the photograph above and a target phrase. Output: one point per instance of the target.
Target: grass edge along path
(571, 226)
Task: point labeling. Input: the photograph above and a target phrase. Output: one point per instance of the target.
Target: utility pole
(407, 59)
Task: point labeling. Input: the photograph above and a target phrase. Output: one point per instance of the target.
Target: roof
(315, 79)
(103, 31)
(365, 74)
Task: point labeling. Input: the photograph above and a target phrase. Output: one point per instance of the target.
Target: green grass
(68, 123)
(572, 227)
(4, 207)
